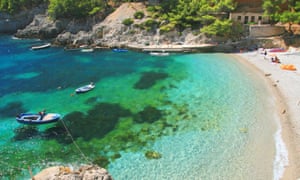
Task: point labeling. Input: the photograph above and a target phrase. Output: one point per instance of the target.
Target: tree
(74, 8)
(13, 6)
(291, 15)
(285, 11)
(218, 28)
(272, 9)
(182, 14)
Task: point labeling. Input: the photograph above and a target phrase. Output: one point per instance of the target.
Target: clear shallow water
(207, 116)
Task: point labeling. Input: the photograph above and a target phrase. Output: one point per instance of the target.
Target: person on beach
(275, 59)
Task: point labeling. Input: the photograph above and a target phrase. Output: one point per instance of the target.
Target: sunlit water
(203, 116)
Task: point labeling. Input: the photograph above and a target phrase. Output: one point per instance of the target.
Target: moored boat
(37, 118)
(87, 50)
(85, 88)
(120, 50)
(43, 46)
(159, 53)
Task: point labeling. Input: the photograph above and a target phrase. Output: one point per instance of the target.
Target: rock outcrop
(109, 32)
(65, 173)
(11, 23)
(42, 27)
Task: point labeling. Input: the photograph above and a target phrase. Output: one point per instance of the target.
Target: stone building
(249, 12)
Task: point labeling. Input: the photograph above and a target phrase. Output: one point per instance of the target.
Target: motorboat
(120, 50)
(87, 50)
(85, 88)
(37, 118)
(43, 46)
(159, 53)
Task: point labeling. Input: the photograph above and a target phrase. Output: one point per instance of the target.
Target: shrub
(127, 22)
(139, 15)
(149, 24)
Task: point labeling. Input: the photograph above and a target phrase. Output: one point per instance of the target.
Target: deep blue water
(204, 114)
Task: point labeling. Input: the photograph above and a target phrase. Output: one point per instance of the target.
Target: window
(239, 18)
(246, 20)
(252, 18)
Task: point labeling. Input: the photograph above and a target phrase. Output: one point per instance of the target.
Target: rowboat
(85, 88)
(159, 53)
(43, 46)
(36, 118)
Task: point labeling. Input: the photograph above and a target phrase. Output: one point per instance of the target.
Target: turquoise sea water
(203, 116)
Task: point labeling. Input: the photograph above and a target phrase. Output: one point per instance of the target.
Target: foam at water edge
(281, 158)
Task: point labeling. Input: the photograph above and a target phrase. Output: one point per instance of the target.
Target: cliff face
(10, 24)
(109, 32)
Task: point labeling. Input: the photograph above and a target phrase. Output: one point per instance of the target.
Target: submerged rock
(65, 173)
(152, 155)
(148, 79)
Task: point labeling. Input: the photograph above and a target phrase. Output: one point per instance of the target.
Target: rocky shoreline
(110, 32)
(66, 173)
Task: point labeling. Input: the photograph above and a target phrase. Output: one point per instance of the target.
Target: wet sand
(286, 87)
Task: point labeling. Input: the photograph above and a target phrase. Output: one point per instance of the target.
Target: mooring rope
(29, 169)
(75, 144)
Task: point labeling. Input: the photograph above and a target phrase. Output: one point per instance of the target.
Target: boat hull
(120, 50)
(32, 118)
(41, 46)
(85, 89)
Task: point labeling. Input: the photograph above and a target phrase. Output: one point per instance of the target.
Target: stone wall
(265, 30)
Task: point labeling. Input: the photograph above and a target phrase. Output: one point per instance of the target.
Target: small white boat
(43, 46)
(159, 53)
(87, 50)
(36, 118)
(85, 88)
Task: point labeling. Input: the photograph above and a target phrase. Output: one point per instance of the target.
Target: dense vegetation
(75, 8)
(285, 11)
(12, 6)
(210, 16)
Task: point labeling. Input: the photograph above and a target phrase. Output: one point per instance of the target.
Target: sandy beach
(286, 88)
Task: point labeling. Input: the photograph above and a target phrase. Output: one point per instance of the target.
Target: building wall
(248, 17)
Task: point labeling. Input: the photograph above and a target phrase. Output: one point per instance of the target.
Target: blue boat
(37, 118)
(120, 50)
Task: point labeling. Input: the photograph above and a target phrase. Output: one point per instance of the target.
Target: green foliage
(272, 9)
(286, 11)
(182, 14)
(94, 11)
(167, 28)
(149, 24)
(219, 28)
(127, 22)
(13, 6)
(171, 14)
(74, 8)
(139, 15)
